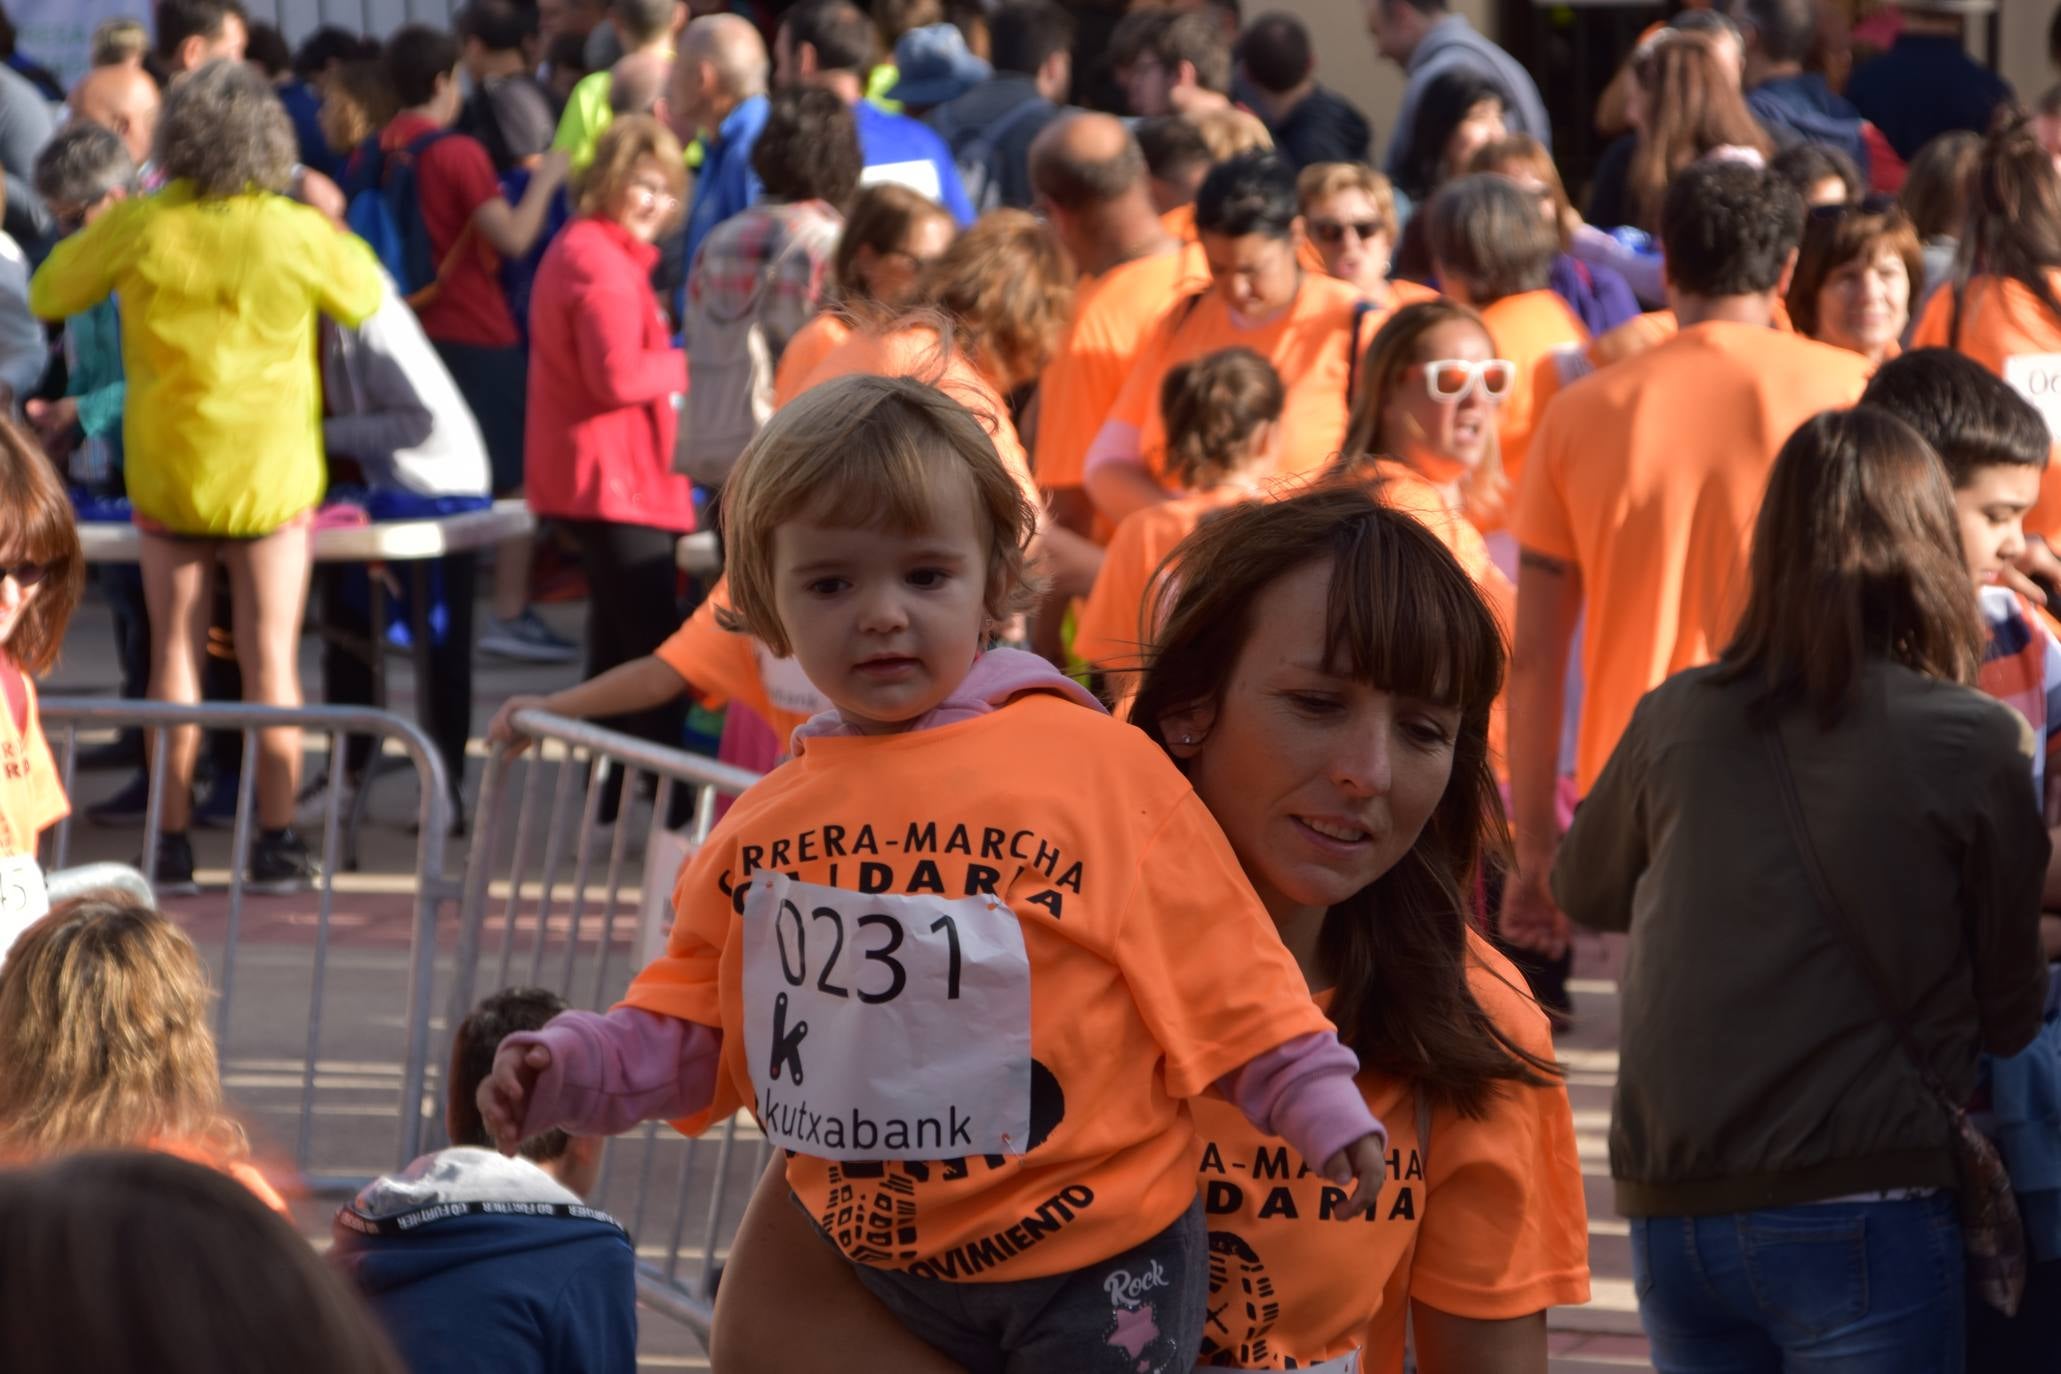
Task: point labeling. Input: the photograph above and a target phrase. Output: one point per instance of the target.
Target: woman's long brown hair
(1402, 616)
(1856, 556)
(39, 528)
(1693, 107)
(2014, 219)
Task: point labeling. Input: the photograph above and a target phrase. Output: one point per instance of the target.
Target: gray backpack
(730, 370)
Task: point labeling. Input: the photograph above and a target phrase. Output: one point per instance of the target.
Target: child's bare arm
(634, 686)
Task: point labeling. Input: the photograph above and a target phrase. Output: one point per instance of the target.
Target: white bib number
(2037, 377)
(23, 898)
(886, 1026)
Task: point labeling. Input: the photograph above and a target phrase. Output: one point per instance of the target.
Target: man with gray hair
(717, 92)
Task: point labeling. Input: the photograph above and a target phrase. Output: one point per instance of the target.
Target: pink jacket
(598, 441)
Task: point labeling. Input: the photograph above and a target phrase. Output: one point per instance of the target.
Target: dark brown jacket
(1756, 1070)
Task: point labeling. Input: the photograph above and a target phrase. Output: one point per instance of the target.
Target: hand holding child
(504, 1094)
(1365, 1161)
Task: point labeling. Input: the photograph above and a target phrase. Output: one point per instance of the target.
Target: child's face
(884, 624)
(1992, 506)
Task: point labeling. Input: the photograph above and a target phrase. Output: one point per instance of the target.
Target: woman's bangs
(1410, 624)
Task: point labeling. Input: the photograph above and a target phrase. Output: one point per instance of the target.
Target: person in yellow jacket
(219, 279)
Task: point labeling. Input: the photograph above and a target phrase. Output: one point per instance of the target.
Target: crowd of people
(1217, 598)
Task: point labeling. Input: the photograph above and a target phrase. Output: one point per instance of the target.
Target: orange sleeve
(1933, 320)
(717, 665)
(1209, 974)
(1106, 630)
(805, 351)
(1539, 517)
(1505, 1228)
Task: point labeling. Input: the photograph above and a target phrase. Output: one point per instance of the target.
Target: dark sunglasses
(25, 574)
(1875, 203)
(1331, 232)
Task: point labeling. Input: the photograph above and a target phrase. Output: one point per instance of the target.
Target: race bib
(886, 1026)
(2037, 377)
(23, 898)
(1344, 1364)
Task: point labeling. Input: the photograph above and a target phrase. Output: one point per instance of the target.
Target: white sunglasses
(1451, 379)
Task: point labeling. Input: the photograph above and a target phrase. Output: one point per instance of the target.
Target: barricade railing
(284, 1064)
(559, 894)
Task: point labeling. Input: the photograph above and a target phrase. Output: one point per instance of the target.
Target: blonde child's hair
(104, 1040)
(865, 450)
(1213, 408)
(119, 42)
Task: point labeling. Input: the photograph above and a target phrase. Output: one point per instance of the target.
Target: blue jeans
(1836, 1288)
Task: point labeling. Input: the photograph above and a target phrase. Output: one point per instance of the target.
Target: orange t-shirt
(722, 666)
(1485, 1220)
(811, 344)
(1156, 971)
(1642, 332)
(1310, 345)
(1109, 631)
(1647, 477)
(1115, 315)
(1528, 329)
(31, 790)
(1180, 222)
(2006, 329)
(916, 351)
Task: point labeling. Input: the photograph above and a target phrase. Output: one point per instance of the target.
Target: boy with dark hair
(509, 111)
(991, 127)
(192, 33)
(476, 1262)
(1310, 124)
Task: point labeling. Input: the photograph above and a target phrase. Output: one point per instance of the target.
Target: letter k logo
(786, 1047)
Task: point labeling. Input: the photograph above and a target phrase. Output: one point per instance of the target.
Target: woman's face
(1256, 274)
(1320, 782)
(646, 204)
(1482, 125)
(1346, 228)
(1865, 303)
(890, 277)
(15, 596)
(1443, 439)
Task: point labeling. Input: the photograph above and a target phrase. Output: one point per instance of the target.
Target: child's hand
(503, 730)
(505, 1093)
(1365, 1160)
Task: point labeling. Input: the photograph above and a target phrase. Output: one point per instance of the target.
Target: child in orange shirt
(855, 948)
(1223, 419)
(41, 575)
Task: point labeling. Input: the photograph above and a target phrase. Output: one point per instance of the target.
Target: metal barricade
(550, 900)
(284, 1065)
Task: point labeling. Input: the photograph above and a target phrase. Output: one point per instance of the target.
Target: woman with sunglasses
(1348, 211)
(1495, 253)
(1854, 276)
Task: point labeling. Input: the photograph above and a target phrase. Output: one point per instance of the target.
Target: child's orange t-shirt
(1153, 971)
(1529, 329)
(2006, 329)
(722, 666)
(811, 344)
(1647, 477)
(916, 351)
(1115, 315)
(1485, 1220)
(31, 790)
(1109, 630)
(1310, 345)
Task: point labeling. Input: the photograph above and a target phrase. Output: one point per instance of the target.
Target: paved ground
(675, 1196)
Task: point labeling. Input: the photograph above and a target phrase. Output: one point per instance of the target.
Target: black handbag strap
(1849, 934)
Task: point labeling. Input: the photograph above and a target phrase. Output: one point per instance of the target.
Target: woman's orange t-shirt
(2006, 329)
(1529, 329)
(1310, 346)
(811, 344)
(1109, 631)
(1485, 1220)
(722, 666)
(31, 789)
(1155, 972)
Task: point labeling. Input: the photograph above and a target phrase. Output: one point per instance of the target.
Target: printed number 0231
(794, 964)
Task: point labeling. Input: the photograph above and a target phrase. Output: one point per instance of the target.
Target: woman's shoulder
(1499, 989)
(1956, 718)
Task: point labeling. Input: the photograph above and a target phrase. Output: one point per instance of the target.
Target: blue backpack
(384, 208)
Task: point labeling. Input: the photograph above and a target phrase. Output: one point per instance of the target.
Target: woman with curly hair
(219, 279)
(104, 1043)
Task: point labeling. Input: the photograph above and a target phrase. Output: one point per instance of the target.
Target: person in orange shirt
(1348, 212)
(1349, 667)
(1012, 1175)
(891, 236)
(1223, 418)
(104, 1015)
(1854, 276)
(1494, 252)
(42, 574)
(1262, 299)
(2007, 314)
(1638, 503)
